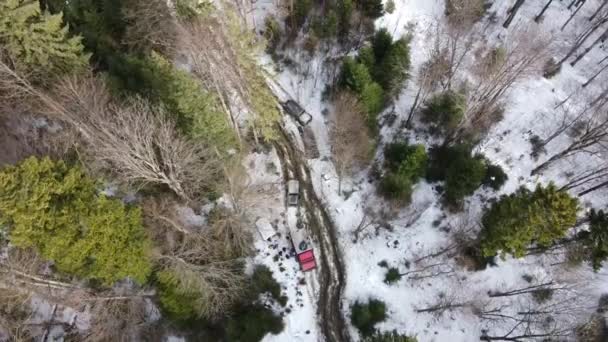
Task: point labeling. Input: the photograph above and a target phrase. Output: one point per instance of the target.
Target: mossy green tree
(57, 210)
(525, 217)
(38, 43)
(445, 110)
(365, 316)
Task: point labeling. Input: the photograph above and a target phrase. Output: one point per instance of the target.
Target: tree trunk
(540, 15)
(572, 16)
(599, 39)
(408, 122)
(512, 13)
(583, 38)
(592, 189)
(598, 10)
(550, 161)
(596, 75)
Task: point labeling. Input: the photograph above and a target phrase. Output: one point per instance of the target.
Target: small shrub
(445, 110)
(542, 295)
(462, 173)
(326, 26)
(389, 7)
(178, 306)
(251, 324)
(365, 316)
(371, 8)
(551, 68)
(311, 43)
(301, 9)
(392, 275)
(405, 164)
(458, 10)
(383, 263)
(396, 186)
(372, 97)
(392, 336)
(262, 281)
(272, 33)
(464, 177)
(537, 146)
(408, 159)
(495, 177)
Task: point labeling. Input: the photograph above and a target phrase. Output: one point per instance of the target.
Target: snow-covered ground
(266, 179)
(424, 227)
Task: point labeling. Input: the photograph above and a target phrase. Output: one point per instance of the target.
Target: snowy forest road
(331, 271)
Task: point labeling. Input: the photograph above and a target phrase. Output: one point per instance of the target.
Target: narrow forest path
(331, 265)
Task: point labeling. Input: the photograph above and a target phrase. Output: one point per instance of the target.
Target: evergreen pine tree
(57, 210)
(39, 42)
(371, 8)
(595, 240)
(526, 217)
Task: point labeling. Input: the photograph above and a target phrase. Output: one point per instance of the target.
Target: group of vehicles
(299, 236)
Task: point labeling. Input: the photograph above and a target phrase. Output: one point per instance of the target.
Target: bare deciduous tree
(150, 26)
(430, 75)
(512, 13)
(131, 139)
(350, 137)
(14, 314)
(518, 58)
(220, 53)
(199, 267)
(118, 316)
(592, 136)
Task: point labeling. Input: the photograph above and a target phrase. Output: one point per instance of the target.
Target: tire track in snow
(331, 271)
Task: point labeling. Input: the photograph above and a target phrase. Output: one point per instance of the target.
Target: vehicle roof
(293, 186)
(293, 107)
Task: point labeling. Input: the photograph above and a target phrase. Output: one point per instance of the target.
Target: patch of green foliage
(516, 221)
(177, 305)
(392, 336)
(445, 110)
(542, 295)
(103, 26)
(272, 33)
(262, 281)
(495, 177)
(595, 240)
(405, 165)
(392, 275)
(365, 316)
(57, 210)
(462, 172)
(301, 9)
(356, 77)
(392, 61)
(371, 8)
(196, 111)
(251, 324)
(389, 6)
(378, 72)
(38, 42)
